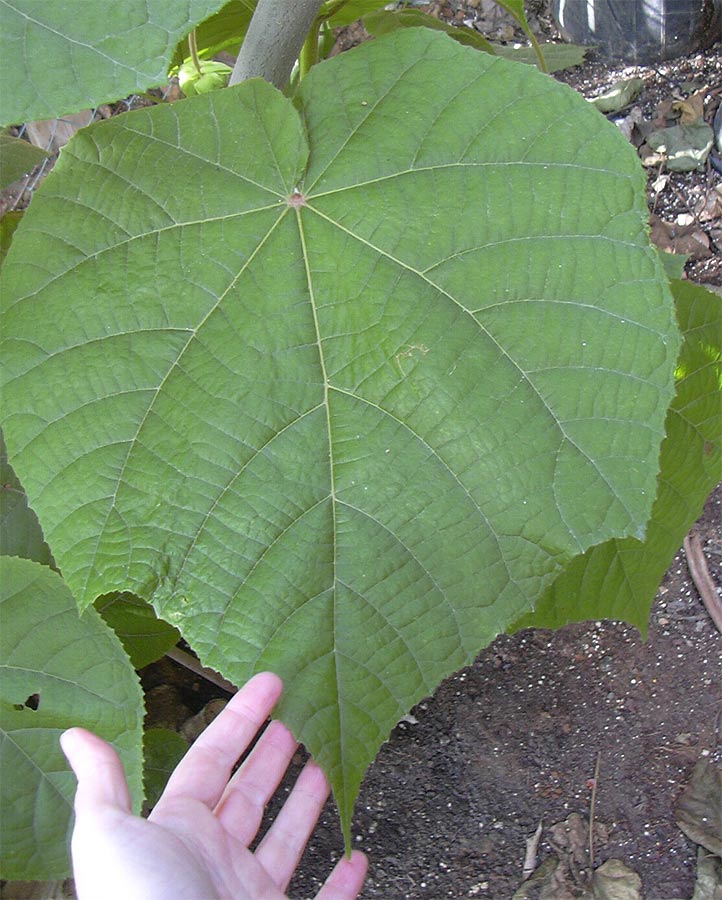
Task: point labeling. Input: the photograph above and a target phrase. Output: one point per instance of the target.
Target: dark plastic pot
(640, 31)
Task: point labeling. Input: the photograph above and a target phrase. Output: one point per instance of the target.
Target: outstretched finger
(204, 771)
(244, 800)
(282, 847)
(347, 878)
(100, 773)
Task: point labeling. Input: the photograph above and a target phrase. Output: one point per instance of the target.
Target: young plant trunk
(274, 40)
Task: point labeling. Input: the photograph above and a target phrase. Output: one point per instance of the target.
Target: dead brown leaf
(688, 240)
(615, 881)
(52, 134)
(709, 207)
(691, 108)
(699, 811)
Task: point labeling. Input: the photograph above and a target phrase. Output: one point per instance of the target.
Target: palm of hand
(194, 845)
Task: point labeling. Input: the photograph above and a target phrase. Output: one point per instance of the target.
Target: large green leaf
(340, 392)
(58, 670)
(60, 57)
(619, 579)
(17, 158)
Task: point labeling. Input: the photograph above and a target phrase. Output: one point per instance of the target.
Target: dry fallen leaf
(684, 147)
(615, 881)
(198, 723)
(621, 94)
(699, 811)
(628, 123)
(691, 109)
(52, 134)
(709, 876)
(688, 240)
(709, 207)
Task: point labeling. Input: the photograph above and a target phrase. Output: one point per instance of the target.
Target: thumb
(100, 773)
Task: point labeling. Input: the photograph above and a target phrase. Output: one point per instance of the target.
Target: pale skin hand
(194, 845)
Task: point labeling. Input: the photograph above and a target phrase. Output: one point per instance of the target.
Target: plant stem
(274, 40)
(333, 9)
(191, 663)
(697, 565)
(592, 807)
(538, 50)
(309, 51)
(193, 46)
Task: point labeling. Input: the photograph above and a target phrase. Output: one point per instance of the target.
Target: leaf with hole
(345, 382)
(46, 686)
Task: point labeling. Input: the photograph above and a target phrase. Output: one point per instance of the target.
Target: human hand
(194, 844)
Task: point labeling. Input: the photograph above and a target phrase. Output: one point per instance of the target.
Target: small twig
(697, 565)
(683, 200)
(532, 843)
(190, 662)
(592, 805)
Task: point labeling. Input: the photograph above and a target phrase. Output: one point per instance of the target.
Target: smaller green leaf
(17, 158)
(163, 749)
(673, 263)
(516, 9)
(343, 14)
(145, 637)
(684, 147)
(619, 95)
(556, 56)
(619, 579)
(385, 22)
(8, 223)
(223, 31)
(58, 670)
(20, 531)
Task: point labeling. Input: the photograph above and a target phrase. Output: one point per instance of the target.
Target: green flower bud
(213, 75)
